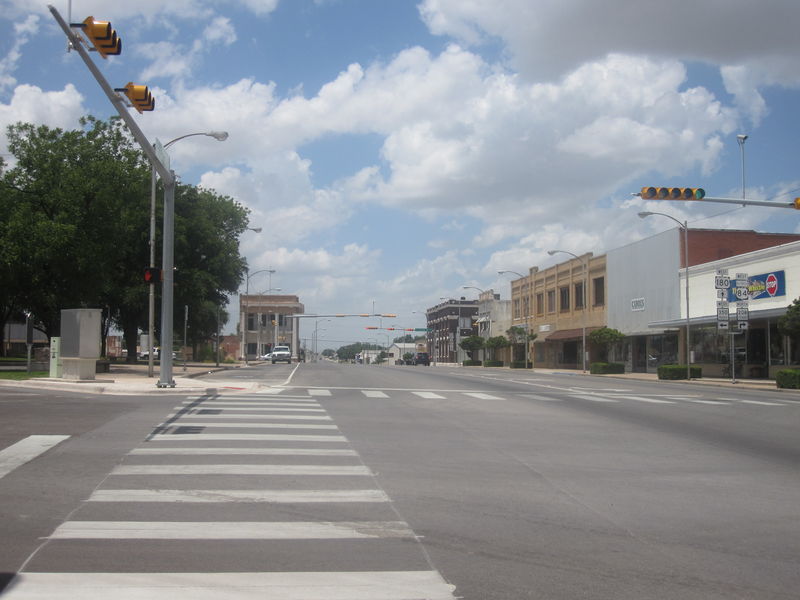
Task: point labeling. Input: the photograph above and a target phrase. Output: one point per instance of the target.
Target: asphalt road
(504, 484)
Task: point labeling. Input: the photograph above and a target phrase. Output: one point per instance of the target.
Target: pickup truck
(281, 353)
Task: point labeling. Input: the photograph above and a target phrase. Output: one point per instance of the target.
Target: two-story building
(266, 321)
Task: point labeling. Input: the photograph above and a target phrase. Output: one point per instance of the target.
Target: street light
(583, 314)
(741, 139)
(685, 225)
(527, 312)
(219, 136)
(244, 320)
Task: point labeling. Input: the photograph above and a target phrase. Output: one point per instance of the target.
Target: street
(345, 481)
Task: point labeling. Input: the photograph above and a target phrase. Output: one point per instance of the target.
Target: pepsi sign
(761, 287)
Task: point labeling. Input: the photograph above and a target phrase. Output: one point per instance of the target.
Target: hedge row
(788, 378)
(472, 363)
(678, 372)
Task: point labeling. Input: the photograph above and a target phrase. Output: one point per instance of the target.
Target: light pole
(316, 336)
(243, 318)
(527, 312)
(585, 285)
(685, 226)
(217, 135)
(741, 139)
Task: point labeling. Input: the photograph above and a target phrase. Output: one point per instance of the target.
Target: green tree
(471, 345)
(495, 343)
(789, 323)
(605, 339)
(75, 229)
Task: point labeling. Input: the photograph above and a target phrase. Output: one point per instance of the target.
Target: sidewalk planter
(606, 368)
(493, 363)
(788, 379)
(471, 363)
(678, 372)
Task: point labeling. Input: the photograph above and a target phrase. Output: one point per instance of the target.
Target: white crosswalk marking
(318, 392)
(271, 506)
(25, 450)
(643, 399)
(761, 403)
(187, 422)
(246, 451)
(593, 398)
(267, 496)
(227, 530)
(304, 585)
(428, 395)
(353, 470)
(481, 396)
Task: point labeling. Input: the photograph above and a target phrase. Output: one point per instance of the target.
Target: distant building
(266, 321)
(448, 323)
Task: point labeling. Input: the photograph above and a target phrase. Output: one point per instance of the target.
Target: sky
(395, 151)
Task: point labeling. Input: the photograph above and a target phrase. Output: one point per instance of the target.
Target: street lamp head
(255, 229)
(220, 136)
(552, 252)
(644, 214)
(741, 138)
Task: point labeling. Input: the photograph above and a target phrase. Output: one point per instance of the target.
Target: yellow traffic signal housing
(672, 193)
(797, 203)
(103, 37)
(139, 95)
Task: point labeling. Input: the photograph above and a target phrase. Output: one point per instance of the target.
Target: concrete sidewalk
(130, 379)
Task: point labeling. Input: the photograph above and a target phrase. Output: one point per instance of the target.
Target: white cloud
(31, 104)
(8, 64)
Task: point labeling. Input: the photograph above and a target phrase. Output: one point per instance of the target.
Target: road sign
(742, 313)
(722, 282)
(743, 325)
(741, 292)
(722, 324)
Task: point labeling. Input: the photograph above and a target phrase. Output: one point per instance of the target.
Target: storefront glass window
(776, 346)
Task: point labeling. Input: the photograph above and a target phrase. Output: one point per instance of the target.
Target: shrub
(601, 368)
(520, 364)
(493, 363)
(471, 363)
(788, 378)
(678, 372)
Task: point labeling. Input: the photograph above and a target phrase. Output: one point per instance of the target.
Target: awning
(769, 313)
(568, 334)
(482, 320)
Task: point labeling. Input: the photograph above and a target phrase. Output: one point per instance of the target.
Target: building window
(540, 304)
(551, 301)
(563, 298)
(516, 308)
(599, 291)
(579, 296)
(251, 322)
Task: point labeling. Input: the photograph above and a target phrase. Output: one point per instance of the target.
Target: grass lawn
(19, 375)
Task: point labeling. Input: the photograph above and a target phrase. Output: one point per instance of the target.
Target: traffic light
(797, 203)
(102, 36)
(672, 193)
(152, 275)
(139, 95)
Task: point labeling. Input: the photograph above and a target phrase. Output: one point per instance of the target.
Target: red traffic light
(152, 275)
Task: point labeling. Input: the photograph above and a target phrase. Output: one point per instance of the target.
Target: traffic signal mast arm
(698, 195)
(164, 172)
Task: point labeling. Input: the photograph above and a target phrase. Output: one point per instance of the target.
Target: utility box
(80, 342)
(55, 357)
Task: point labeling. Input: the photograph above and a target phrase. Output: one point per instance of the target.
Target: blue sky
(395, 151)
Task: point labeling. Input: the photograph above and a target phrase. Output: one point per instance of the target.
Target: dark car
(422, 358)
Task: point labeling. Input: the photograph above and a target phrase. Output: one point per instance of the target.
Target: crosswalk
(256, 496)
(550, 394)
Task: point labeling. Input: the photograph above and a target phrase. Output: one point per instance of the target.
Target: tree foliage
(495, 343)
(789, 323)
(472, 344)
(605, 338)
(75, 225)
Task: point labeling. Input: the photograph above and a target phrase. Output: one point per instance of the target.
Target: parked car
(422, 358)
(267, 356)
(281, 353)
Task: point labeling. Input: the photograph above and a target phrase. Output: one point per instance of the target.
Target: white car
(267, 356)
(281, 353)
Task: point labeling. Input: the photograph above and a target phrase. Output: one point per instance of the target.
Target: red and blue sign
(762, 287)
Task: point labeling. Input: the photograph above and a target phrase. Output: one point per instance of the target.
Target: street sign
(741, 292)
(743, 325)
(722, 324)
(722, 282)
(721, 294)
(161, 154)
(742, 313)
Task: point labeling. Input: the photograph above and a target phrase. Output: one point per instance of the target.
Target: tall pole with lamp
(243, 318)
(685, 227)
(217, 135)
(527, 313)
(585, 307)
